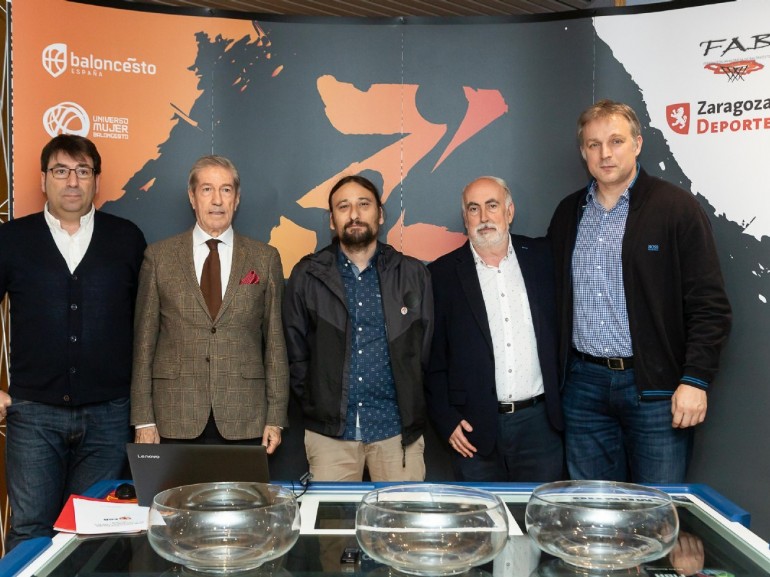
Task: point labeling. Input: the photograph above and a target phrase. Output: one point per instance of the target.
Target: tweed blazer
(186, 363)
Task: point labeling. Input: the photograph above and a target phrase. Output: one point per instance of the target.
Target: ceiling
(389, 8)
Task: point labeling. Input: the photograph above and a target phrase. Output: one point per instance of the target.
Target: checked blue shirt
(372, 405)
(600, 321)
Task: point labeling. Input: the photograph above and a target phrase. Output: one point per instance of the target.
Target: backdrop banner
(421, 107)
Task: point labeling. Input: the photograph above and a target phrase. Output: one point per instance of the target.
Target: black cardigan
(71, 334)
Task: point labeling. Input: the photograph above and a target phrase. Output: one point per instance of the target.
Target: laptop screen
(156, 468)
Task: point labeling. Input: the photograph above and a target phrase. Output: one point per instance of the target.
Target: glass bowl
(223, 527)
(602, 524)
(431, 529)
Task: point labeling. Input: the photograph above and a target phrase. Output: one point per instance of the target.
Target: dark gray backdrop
(547, 71)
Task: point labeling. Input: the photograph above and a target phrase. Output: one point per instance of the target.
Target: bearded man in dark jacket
(358, 319)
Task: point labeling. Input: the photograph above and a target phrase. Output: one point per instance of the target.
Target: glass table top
(708, 545)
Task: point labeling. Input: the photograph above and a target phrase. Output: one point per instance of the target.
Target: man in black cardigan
(70, 273)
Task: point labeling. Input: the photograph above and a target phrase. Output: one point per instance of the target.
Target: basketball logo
(55, 59)
(66, 118)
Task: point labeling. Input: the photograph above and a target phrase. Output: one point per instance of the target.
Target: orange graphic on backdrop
(56, 86)
(54, 65)
(391, 109)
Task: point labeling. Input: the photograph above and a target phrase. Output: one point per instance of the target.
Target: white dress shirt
(71, 246)
(517, 366)
(225, 249)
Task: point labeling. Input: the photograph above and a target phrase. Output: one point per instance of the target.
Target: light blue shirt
(600, 317)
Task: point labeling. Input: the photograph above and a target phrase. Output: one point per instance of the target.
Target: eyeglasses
(62, 172)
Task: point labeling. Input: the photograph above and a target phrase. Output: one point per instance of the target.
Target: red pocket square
(250, 278)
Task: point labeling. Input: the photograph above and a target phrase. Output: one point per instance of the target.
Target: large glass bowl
(223, 527)
(431, 529)
(602, 524)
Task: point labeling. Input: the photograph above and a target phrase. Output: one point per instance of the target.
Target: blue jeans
(52, 452)
(528, 449)
(611, 434)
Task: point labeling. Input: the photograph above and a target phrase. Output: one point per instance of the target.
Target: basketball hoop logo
(66, 118)
(678, 117)
(55, 59)
(735, 70)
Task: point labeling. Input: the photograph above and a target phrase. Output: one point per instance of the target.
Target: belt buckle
(616, 364)
(507, 408)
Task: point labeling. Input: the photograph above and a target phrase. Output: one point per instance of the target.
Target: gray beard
(481, 241)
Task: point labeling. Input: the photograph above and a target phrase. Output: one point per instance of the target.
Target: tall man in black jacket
(643, 310)
(70, 273)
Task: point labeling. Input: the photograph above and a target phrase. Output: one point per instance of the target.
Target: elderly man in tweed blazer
(210, 373)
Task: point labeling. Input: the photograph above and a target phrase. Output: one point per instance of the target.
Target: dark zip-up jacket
(678, 312)
(318, 337)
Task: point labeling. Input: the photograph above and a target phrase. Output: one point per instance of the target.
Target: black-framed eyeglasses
(62, 172)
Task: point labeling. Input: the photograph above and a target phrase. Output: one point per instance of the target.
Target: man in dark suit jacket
(492, 384)
(201, 374)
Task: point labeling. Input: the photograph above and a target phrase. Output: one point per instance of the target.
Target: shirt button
(360, 304)
(213, 330)
(208, 359)
(360, 404)
(73, 370)
(66, 398)
(360, 379)
(360, 329)
(73, 339)
(510, 370)
(73, 307)
(360, 352)
(506, 320)
(508, 345)
(74, 277)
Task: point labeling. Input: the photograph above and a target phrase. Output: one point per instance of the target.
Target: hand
(688, 406)
(459, 442)
(271, 438)
(687, 556)
(5, 402)
(147, 435)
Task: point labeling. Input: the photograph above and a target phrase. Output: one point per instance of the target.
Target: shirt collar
(343, 259)
(54, 222)
(591, 196)
(200, 236)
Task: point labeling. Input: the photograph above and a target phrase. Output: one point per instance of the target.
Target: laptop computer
(156, 468)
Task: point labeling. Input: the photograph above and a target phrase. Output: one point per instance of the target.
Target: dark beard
(358, 240)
